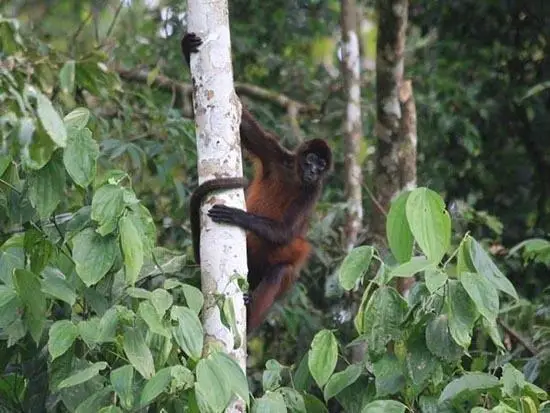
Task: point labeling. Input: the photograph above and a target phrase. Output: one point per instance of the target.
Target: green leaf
(47, 187)
(388, 372)
(408, 269)
(384, 406)
(27, 286)
(66, 77)
(154, 387)
(148, 313)
(435, 280)
(271, 377)
(490, 327)
(51, 121)
(512, 380)
(138, 352)
(93, 255)
(77, 119)
(233, 373)
(271, 402)
(63, 333)
(462, 314)
(293, 399)
(314, 405)
(382, 318)
(213, 384)
(188, 333)
(339, 381)
(81, 376)
(111, 409)
(471, 382)
(483, 294)
(122, 380)
(429, 222)
(354, 266)
(486, 267)
(107, 207)
(439, 339)
(193, 297)
(419, 362)
(162, 300)
(58, 288)
(89, 331)
(323, 356)
(132, 249)
(96, 401)
(400, 237)
(80, 157)
(143, 221)
(36, 154)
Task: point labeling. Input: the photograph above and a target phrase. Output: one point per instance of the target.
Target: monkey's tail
(196, 201)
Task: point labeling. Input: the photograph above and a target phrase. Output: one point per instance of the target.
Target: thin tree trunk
(353, 125)
(395, 168)
(217, 117)
(392, 15)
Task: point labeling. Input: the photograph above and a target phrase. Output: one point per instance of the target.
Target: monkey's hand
(190, 44)
(222, 214)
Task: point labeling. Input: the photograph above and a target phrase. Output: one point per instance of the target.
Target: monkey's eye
(310, 157)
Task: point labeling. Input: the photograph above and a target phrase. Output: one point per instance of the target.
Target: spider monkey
(279, 202)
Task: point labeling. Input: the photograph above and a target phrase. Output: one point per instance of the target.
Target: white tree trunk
(352, 124)
(217, 118)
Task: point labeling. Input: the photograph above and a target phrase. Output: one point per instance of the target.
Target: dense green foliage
(100, 306)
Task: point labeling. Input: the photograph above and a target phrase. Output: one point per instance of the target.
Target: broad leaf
(138, 352)
(132, 249)
(155, 386)
(80, 157)
(408, 269)
(339, 381)
(483, 294)
(384, 406)
(27, 286)
(51, 121)
(93, 255)
(107, 207)
(471, 382)
(148, 313)
(323, 356)
(271, 402)
(122, 380)
(486, 267)
(388, 372)
(81, 376)
(213, 384)
(193, 297)
(430, 223)
(47, 187)
(77, 119)
(62, 336)
(66, 77)
(354, 266)
(439, 339)
(188, 333)
(58, 288)
(462, 314)
(400, 237)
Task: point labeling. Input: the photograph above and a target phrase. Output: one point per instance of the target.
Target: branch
(518, 337)
(245, 89)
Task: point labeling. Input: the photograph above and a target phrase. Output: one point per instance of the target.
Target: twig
(518, 337)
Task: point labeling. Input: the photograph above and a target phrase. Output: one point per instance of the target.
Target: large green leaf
(439, 339)
(93, 255)
(132, 249)
(83, 375)
(66, 77)
(384, 406)
(323, 356)
(483, 293)
(138, 352)
(59, 288)
(188, 333)
(122, 380)
(462, 314)
(430, 222)
(51, 121)
(471, 382)
(212, 384)
(415, 265)
(62, 336)
(77, 119)
(107, 207)
(233, 374)
(155, 386)
(27, 286)
(354, 266)
(80, 157)
(389, 377)
(486, 267)
(149, 314)
(271, 402)
(47, 187)
(400, 237)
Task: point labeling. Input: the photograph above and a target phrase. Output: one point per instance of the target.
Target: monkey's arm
(254, 138)
(276, 232)
(195, 205)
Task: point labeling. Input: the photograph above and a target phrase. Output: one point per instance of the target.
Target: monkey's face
(313, 167)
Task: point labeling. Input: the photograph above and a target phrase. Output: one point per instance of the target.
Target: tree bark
(352, 124)
(395, 168)
(217, 118)
(392, 15)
